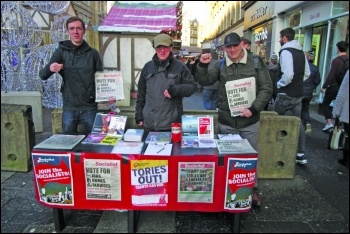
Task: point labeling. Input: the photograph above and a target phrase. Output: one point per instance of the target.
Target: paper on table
(159, 149)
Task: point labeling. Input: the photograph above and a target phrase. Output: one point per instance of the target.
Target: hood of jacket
(68, 45)
(292, 44)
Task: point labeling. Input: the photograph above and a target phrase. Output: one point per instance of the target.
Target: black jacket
(312, 82)
(78, 74)
(156, 111)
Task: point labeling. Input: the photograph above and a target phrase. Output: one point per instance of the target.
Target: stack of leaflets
(241, 146)
(60, 141)
(197, 131)
(108, 129)
(133, 134)
(229, 136)
(128, 147)
(158, 137)
(159, 149)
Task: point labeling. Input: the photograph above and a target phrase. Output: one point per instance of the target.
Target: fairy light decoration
(49, 7)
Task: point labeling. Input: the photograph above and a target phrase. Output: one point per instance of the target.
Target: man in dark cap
(163, 83)
(331, 86)
(238, 64)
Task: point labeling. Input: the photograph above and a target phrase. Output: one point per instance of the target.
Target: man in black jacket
(77, 63)
(293, 70)
(310, 85)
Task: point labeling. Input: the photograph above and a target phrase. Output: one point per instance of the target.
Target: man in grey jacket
(77, 63)
(238, 64)
(163, 83)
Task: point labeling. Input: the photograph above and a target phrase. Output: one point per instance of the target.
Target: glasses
(165, 48)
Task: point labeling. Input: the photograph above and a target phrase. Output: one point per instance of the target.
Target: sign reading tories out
(109, 86)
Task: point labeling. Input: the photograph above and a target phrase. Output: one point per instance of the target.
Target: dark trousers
(329, 96)
(305, 115)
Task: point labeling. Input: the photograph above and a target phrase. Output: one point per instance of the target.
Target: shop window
(340, 7)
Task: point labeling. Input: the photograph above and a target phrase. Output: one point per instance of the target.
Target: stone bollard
(278, 142)
(17, 137)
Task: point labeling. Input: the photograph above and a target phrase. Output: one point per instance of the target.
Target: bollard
(278, 142)
(17, 137)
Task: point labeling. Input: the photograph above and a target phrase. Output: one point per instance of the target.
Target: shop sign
(260, 35)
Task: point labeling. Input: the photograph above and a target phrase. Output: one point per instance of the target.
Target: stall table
(90, 177)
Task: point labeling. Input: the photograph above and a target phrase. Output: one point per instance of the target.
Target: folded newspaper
(240, 94)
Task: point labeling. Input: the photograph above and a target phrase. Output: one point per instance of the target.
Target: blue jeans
(210, 98)
(72, 119)
(287, 105)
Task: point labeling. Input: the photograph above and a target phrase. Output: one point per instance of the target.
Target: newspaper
(240, 94)
(102, 179)
(196, 181)
(109, 86)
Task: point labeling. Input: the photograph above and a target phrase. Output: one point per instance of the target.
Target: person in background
(77, 63)
(310, 85)
(163, 83)
(273, 71)
(238, 64)
(293, 70)
(331, 86)
(341, 110)
(211, 92)
(247, 45)
(191, 65)
(262, 55)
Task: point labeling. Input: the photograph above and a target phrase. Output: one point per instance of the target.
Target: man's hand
(322, 90)
(205, 58)
(56, 67)
(246, 113)
(167, 94)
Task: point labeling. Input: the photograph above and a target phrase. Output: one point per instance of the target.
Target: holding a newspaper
(245, 89)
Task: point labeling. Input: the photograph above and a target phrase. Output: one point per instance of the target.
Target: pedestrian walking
(211, 92)
(341, 110)
(310, 84)
(293, 70)
(333, 81)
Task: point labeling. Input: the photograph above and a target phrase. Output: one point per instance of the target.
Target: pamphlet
(60, 141)
(234, 146)
(158, 137)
